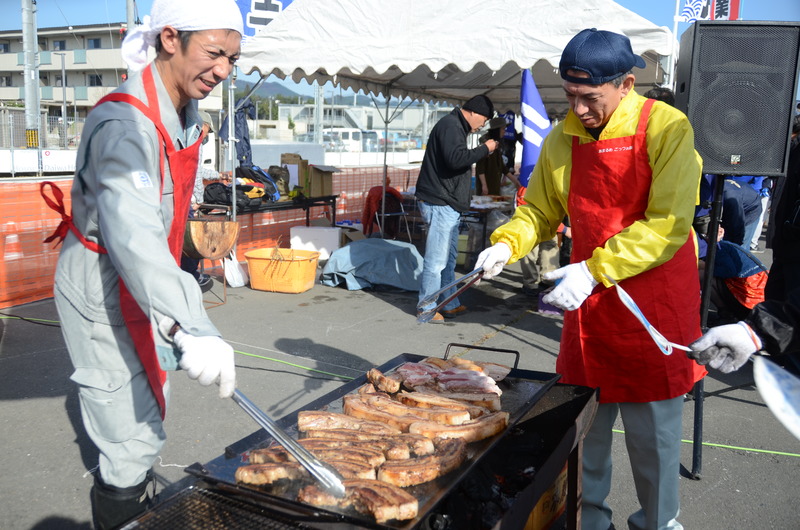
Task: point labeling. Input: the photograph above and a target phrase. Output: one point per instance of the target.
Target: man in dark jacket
(443, 190)
(772, 326)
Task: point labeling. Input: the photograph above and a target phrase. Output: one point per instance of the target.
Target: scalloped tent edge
(444, 51)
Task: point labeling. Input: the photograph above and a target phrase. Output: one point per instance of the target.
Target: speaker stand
(705, 300)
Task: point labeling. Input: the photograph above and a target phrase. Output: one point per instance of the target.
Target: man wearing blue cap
(623, 167)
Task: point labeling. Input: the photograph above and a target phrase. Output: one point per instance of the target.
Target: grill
(546, 425)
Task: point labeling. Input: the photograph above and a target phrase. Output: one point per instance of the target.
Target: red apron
(183, 169)
(603, 345)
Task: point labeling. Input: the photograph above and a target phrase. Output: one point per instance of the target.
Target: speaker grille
(741, 95)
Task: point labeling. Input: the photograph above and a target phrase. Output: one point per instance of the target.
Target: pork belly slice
(449, 455)
(424, 400)
(278, 454)
(496, 371)
(459, 380)
(416, 443)
(384, 383)
(357, 407)
(488, 401)
(269, 473)
(317, 419)
(472, 431)
(392, 449)
(381, 500)
(353, 469)
(447, 416)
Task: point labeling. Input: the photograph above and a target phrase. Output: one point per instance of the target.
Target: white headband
(183, 15)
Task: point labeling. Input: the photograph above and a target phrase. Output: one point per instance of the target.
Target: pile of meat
(398, 430)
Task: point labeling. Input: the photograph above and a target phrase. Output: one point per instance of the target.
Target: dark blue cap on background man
(601, 54)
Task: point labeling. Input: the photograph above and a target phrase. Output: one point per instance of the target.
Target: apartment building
(92, 65)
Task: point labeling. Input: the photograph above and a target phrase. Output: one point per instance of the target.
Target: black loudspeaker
(736, 81)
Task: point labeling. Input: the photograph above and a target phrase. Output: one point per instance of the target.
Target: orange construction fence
(28, 264)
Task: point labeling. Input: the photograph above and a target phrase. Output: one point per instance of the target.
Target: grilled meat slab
(317, 419)
(472, 431)
(449, 455)
(381, 500)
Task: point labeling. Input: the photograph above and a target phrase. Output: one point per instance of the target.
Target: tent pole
(386, 121)
(232, 144)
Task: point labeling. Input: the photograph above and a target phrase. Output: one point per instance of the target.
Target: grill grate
(201, 509)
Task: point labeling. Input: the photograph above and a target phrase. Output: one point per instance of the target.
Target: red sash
(183, 169)
(602, 344)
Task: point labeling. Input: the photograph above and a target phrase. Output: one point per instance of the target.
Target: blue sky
(51, 13)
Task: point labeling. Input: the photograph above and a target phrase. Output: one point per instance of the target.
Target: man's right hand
(493, 259)
(492, 145)
(207, 359)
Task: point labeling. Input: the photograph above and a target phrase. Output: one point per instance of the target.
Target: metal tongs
(661, 341)
(326, 475)
(425, 316)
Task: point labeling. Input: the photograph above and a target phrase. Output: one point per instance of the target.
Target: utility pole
(63, 98)
(32, 96)
(130, 10)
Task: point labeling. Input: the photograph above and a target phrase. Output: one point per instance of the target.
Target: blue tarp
(368, 263)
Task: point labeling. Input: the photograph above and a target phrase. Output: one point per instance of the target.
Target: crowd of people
(619, 177)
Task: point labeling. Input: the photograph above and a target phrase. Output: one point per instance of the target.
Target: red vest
(602, 343)
(183, 170)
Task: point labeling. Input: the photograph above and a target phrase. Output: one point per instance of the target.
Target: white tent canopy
(443, 50)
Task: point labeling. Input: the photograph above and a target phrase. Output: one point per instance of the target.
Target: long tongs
(328, 477)
(425, 316)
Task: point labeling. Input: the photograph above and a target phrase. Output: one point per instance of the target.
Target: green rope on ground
(723, 446)
(345, 377)
(2, 317)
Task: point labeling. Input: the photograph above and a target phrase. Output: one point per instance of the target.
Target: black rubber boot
(112, 506)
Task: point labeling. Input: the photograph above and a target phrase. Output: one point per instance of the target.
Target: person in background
(444, 191)
(623, 167)
(191, 265)
(510, 139)
(128, 311)
(492, 170)
(772, 326)
(783, 230)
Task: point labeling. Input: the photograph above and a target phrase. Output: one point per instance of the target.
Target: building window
(5, 80)
(95, 80)
(4, 47)
(93, 44)
(59, 45)
(58, 81)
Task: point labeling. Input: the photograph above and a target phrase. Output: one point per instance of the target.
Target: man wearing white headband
(128, 311)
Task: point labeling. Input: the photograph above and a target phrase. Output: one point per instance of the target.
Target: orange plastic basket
(282, 270)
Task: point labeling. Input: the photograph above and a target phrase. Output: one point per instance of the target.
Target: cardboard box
(551, 505)
(318, 238)
(320, 180)
(351, 234)
(296, 165)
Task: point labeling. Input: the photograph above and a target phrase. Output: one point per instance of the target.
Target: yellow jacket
(646, 243)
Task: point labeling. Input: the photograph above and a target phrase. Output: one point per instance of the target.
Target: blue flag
(535, 126)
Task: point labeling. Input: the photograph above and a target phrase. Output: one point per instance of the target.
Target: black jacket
(778, 325)
(445, 177)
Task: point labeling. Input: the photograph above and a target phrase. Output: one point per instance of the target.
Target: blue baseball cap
(601, 54)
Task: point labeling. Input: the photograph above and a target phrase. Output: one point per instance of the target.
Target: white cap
(183, 15)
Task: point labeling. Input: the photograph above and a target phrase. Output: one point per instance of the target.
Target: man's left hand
(575, 286)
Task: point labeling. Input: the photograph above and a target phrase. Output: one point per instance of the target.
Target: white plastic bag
(235, 274)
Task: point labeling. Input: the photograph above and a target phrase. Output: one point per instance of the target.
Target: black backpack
(219, 193)
(272, 194)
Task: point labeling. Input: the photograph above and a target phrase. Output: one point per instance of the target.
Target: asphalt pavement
(293, 348)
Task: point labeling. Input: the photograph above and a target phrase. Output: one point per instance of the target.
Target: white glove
(207, 359)
(575, 286)
(725, 348)
(493, 259)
